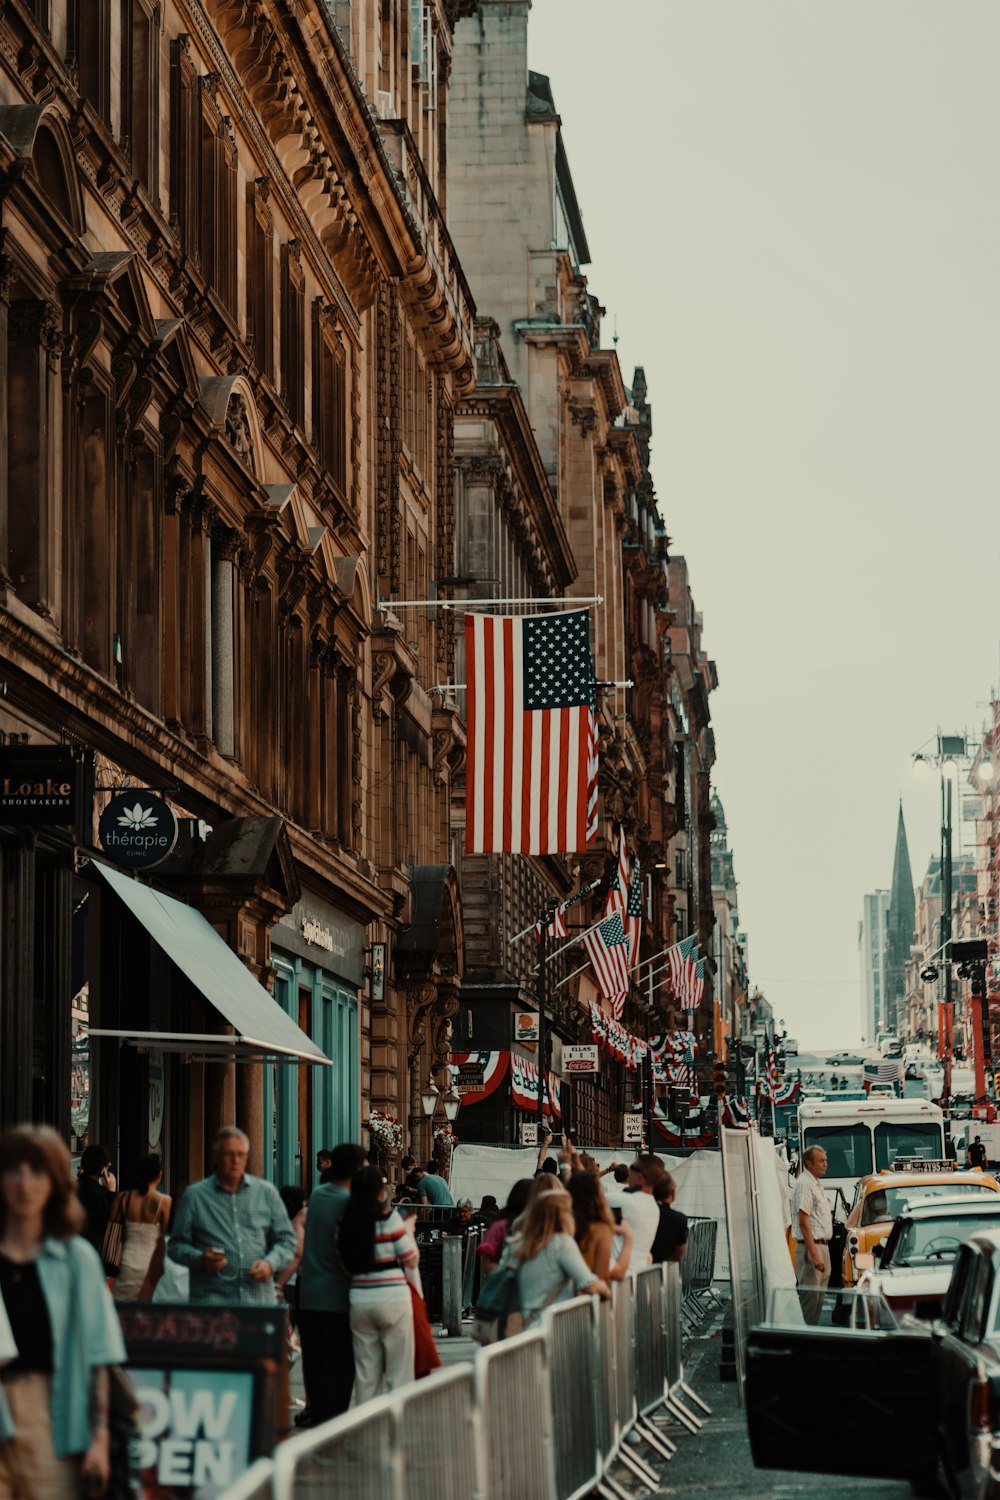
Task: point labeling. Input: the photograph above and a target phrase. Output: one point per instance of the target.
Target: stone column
(221, 556)
(17, 882)
(6, 282)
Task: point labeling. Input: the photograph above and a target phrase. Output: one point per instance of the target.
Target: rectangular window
(139, 90)
(293, 332)
(90, 46)
(217, 199)
(184, 145)
(260, 278)
(329, 394)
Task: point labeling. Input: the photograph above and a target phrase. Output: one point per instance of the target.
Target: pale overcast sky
(792, 210)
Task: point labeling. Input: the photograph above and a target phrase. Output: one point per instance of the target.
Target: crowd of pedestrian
(344, 1259)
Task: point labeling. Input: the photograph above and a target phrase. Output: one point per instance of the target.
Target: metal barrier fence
(540, 1416)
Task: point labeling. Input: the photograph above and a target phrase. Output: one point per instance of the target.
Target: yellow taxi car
(883, 1196)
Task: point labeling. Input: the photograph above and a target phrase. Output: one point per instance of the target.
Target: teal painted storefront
(323, 1100)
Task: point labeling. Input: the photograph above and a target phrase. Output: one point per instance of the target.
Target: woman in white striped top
(381, 1257)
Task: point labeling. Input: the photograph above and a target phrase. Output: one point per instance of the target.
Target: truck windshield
(848, 1148)
(891, 1141)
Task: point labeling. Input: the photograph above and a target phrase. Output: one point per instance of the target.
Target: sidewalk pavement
(453, 1351)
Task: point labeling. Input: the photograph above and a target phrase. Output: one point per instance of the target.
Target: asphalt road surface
(717, 1461)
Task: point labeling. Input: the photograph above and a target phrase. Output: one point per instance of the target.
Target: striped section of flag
(606, 948)
(679, 958)
(633, 915)
(882, 1070)
(593, 767)
(618, 885)
(693, 984)
(531, 698)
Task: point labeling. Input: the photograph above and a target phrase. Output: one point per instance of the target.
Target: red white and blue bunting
(736, 1113)
(524, 1087)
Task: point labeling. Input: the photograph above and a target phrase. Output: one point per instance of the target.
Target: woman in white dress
(147, 1214)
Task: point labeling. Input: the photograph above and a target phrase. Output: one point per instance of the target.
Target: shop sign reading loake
(40, 784)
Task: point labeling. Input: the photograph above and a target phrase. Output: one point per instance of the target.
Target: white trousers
(382, 1333)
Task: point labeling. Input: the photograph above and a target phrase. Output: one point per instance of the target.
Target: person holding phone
(96, 1187)
(232, 1230)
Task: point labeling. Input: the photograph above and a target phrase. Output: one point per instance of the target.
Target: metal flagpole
(546, 922)
(386, 604)
(662, 954)
(577, 896)
(576, 939)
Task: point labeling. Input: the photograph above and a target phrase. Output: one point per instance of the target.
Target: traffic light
(677, 1105)
(719, 1079)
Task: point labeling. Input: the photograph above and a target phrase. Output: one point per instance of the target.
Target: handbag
(425, 1352)
(124, 1431)
(498, 1300)
(113, 1243)
(124, 1419)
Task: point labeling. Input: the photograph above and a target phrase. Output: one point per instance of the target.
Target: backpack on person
(499, 1299)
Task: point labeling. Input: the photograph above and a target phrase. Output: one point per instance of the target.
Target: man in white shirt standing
(639, 1207)
(812, 1228)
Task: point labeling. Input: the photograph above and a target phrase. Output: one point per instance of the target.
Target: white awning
(262, 1028)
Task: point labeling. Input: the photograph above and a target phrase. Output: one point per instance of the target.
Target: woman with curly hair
(54, 1395)
(596, 1230)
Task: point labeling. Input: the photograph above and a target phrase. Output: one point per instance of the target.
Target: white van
(864, 1135)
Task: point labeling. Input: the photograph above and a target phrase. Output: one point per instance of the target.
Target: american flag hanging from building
(693, 984)
(607, 949)
(679, 958)
(633, 915)
(531, 777)
(618, 885)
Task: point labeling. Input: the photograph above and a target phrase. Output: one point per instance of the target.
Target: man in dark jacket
(96, 1188)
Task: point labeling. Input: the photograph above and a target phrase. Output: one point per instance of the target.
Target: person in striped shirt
(381, 1256)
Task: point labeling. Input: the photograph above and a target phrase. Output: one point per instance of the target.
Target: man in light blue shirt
(232, 1231)
(433, 1189)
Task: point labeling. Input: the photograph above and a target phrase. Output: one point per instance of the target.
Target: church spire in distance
(900, 923)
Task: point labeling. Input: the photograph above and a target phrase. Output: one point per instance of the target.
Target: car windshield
(923, 1241)
(892, 1141)
(848, 1148)
(889, 1203)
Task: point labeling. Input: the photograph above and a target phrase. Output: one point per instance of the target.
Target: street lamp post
(946, 943)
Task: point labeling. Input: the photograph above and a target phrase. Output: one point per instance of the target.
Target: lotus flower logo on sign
(137, 829)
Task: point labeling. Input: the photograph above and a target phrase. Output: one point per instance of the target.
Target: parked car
(913, 1270)
(916, 1402)
(882, 1196)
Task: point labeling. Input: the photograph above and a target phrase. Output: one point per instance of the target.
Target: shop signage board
(526, 1026)
(207, 1382)
(632, 1129)
(470, 1077)
(137, 829)
(582, 1059)
(41, 785)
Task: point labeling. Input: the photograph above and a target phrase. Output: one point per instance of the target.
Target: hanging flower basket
(385, 1136)
(445, 1141)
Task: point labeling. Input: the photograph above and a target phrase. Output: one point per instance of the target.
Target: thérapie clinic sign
(137, 829)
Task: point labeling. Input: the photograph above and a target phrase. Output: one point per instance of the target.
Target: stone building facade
(250, 423)
(519, 229)
(232, 332)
